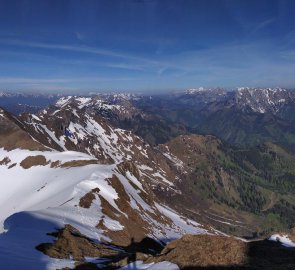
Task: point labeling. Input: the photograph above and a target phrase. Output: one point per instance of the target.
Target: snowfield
(43, 198)
(38, 187)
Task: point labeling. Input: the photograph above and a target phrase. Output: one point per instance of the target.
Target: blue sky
(145, 45)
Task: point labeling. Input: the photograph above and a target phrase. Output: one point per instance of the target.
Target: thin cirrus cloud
(20, 80)
(243, 62)
(81, 49)
(41, 57)
(263, 25)
(132, 62)
(143, 45)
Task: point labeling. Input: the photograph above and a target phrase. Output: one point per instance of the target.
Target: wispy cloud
(131, 62)
(112, 59)
(263, 25)
(77, 48)
(21, 80)
(233, 62)
(125, 66)
(37, 56)
(288, 55)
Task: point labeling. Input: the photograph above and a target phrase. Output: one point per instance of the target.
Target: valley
(91, 167)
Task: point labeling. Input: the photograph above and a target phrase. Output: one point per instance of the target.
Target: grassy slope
(257, 185)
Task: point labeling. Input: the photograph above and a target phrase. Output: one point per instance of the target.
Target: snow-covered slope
(73, 125)
(79, 123)
(33, 180)
(106, 193)
(52, 195)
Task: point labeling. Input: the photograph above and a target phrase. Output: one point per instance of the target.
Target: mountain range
(88, 180)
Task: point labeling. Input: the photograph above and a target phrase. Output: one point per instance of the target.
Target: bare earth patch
(55, 164)
(31, 161)
(5, 161)
(128, 166)
(78, 163)
(13, 135)
(88, 198)
(136, 224)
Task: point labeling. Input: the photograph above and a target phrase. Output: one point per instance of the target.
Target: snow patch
(283, 239)
(139, 265)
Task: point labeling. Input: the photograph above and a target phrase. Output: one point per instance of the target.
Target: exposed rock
(220, 252)
(128, 166)
(134, 224)
(5, 161)
(87, 199)
(78, 163)
(71, 243)
(55, 164)
(203, 250)
(134, 221)
(31, 161)
(12, 165)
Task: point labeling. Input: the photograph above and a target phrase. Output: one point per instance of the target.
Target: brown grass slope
(243, 192)
(219, 252)
(13, 134)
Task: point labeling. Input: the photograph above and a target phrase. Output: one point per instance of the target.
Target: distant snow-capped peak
(195, 90)
(264, 100)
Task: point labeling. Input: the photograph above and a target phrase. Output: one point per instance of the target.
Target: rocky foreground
(189, 252)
